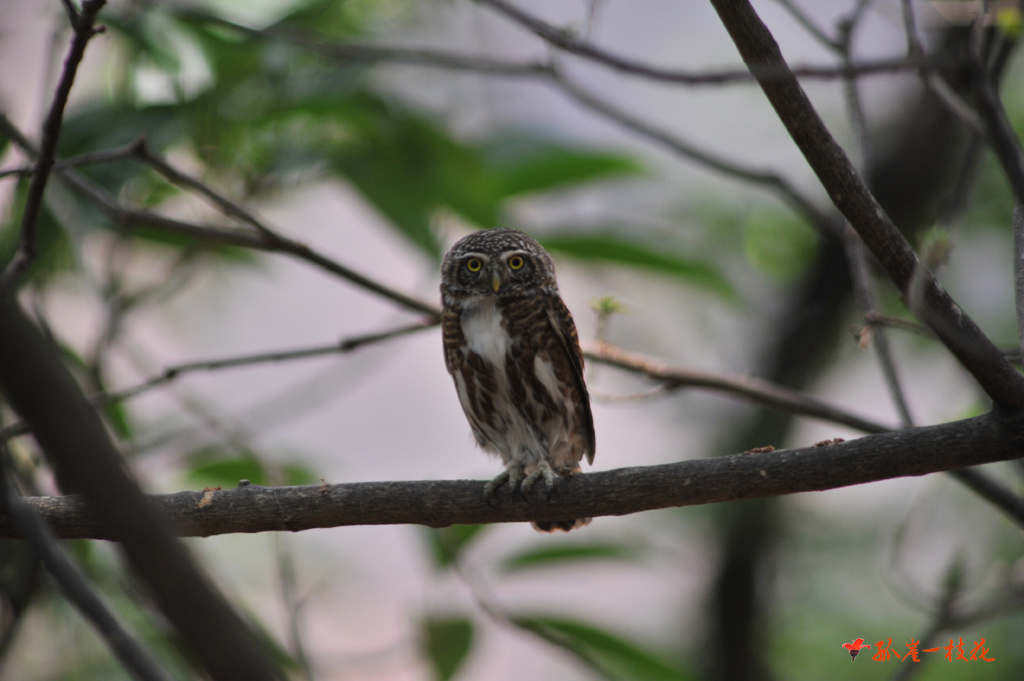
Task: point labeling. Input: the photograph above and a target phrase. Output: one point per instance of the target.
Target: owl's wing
(565, 330)
(451, 331)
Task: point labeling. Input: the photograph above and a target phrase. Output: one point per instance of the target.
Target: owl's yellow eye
(515, 262)
(473, 265)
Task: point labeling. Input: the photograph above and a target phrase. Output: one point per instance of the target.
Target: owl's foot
(543, 470)
(512, 474)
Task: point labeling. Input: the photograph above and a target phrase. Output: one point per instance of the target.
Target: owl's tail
(560, 525)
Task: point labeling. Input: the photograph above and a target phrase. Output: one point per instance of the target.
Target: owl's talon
(543, 470)
(512, 475)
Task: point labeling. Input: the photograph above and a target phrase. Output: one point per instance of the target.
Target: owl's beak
(496, 281)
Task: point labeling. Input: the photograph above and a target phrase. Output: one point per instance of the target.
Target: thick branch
(439, 503)
(75, 585)
(850, 195)
(40, 389)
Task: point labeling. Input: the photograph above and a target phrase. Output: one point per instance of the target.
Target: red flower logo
(855, 647)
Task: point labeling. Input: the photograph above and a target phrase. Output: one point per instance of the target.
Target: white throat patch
(481, 326)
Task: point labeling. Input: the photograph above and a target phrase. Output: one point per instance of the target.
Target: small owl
(511, 346)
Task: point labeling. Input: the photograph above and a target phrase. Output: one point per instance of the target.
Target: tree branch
(756, 390)
(937, 309)
(132, 654)
(349, 53)
(1000, 133)
(83, 23)
(764, 178)
(173, 372)
(565, 41)
(439, 503)
(38, 386)
(264, 239)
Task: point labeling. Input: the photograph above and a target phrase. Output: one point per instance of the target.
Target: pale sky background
(390, 412)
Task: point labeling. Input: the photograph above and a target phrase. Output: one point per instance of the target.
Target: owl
(511, 347)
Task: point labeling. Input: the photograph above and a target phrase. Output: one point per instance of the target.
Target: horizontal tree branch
(439, 503)
(361, 53)
(565, 41)
(176, 371)
(754, 389)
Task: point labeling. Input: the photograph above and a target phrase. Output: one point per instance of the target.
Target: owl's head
(502, 262)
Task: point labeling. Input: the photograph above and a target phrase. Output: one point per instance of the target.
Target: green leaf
(778, 244)
(562, 554)
(527, 165)
(210, 469)
(612, 248)
(446, 642)
(117, 417)
(615, 656)
(447, 542)
(53, 248)
(328, 18)
(408, 168)
(296, 474)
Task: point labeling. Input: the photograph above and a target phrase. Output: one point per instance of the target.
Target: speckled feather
(514, 356)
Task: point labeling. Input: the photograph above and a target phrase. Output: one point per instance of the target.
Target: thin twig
(1000, 496)
(1001, 136)
(847, 28)
(209, 235)
(177, 371)
(566, 42)
(863, 290)
(856, 252)
(874, 318)
(83, 24)
(484, 599)
(935, 84)
(753, 389)
(348, 53)
(293, 604)
(173, 372)
(768, 179)
(75, 585)
(816, 32)
(940, 620)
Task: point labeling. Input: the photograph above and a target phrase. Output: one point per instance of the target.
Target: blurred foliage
(616, 657)
(447, 543)
(778, 244)
(568, 555)
(611, 246)
(446, 642)
(53, 247)
(212, 467)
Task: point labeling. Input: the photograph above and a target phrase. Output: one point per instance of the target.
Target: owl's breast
(484, 331)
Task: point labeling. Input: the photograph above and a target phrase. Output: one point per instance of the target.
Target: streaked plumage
(511, 347)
